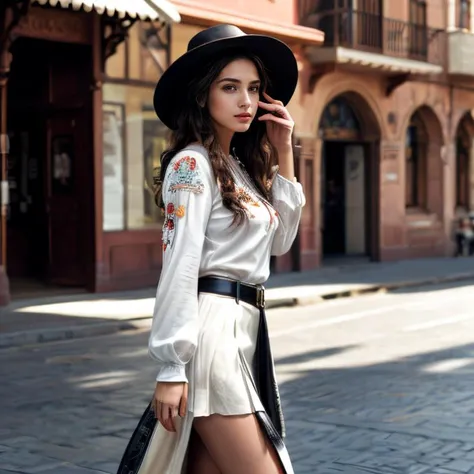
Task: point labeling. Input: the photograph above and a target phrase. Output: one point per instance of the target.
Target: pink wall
(268, 11)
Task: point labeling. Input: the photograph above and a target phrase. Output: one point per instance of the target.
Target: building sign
(390, 162)
(55, 25)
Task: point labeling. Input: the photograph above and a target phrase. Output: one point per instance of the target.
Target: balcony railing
(374, 33)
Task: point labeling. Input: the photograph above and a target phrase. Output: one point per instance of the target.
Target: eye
(229, 87)
(255, 89)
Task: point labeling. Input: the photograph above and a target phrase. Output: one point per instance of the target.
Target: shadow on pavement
(385, 418)
(412, 414)
(309, 356)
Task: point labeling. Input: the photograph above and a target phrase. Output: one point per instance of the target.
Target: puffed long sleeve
(288, 200)
(188, 190)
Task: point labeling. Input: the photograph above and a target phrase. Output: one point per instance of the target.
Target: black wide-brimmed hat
(277, 58)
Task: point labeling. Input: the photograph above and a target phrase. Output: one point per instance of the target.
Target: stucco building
(384, 120)
(383, 138)
(80, 139)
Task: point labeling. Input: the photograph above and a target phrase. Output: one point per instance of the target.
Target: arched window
(339, 121)
(415, 163)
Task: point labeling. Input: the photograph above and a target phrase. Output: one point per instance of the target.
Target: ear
(201, 101)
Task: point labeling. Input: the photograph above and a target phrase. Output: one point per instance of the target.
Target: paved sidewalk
(32, 321)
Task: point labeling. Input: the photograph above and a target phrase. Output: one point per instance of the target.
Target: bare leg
(237, 444)
(199, 459)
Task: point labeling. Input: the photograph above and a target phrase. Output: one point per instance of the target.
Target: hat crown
(214, 33)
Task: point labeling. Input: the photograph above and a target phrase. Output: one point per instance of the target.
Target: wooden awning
(143, 9)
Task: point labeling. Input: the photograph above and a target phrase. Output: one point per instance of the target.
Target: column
(5, 60)
(471, 178)
(100, 271)
(451, 20)
(471, 26)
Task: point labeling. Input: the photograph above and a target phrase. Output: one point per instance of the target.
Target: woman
(228, 208)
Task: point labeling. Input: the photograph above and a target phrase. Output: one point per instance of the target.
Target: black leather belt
(251, 294)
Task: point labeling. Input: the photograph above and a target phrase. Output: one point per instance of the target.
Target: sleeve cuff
(290, 189)
(172, 373)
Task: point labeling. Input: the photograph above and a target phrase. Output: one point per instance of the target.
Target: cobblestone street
(378, 384)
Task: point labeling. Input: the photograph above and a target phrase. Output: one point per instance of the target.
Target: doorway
(343, 200)
(49, 165)
(349, 177)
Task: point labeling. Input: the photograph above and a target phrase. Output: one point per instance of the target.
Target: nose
(245, 101)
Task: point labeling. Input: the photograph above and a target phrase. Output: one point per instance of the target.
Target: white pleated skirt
(220, 378)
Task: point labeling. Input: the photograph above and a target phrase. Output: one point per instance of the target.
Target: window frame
(416, 152)
(463, 19)
(462, 182)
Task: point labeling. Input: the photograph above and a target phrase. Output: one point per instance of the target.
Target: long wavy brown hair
(194, 124)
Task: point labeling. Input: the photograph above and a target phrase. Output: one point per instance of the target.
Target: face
(233, 97)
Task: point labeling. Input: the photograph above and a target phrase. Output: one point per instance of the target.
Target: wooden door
(64, 202)
(355, 184)
(69, 155)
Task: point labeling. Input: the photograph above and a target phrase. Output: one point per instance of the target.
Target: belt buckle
(260, 296)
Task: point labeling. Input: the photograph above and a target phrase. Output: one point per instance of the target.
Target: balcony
(460, 48)
(367, 40)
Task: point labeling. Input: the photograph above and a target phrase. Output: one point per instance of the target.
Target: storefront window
(114, 193)
(134, 139)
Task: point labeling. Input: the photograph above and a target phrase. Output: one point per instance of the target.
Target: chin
(242, 128)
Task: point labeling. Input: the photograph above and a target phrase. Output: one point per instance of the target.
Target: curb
(315, 299)
(39, 336)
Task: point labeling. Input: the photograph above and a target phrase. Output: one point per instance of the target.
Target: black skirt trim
(136, 449)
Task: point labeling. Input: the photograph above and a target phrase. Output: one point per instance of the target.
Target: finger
(265, 105)
(156, 408)
(273, 101)
(174, 415)
(276, 109)
(166, 416)
(159, 407)
(272, 106)
(279, 120)
(183, 405)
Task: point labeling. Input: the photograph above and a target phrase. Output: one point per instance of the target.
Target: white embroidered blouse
(198, 240)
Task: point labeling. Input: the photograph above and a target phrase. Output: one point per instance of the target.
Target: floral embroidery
(181, 211)
(246, 198)
(169, 225)
(185, 176)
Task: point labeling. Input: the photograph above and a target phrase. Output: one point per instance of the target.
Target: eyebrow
(236, 81)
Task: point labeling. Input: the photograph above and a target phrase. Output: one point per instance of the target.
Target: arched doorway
(464, 180)
(349, 189)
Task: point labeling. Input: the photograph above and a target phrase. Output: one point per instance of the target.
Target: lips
(244, 116)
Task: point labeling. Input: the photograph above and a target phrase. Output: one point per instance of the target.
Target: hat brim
(277, 58)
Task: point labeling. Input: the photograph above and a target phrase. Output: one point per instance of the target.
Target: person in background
(465, 237)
